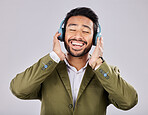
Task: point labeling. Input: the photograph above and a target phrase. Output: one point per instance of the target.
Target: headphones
(61, 30)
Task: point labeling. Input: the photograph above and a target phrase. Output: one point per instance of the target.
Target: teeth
(78, 44)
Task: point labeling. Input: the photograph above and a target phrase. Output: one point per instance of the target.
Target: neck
(77, 62)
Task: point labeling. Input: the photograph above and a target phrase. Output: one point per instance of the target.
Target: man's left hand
(95, 59)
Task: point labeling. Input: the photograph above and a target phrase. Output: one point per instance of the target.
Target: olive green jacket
(48, 81)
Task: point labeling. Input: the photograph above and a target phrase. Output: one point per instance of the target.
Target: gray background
(27, 28)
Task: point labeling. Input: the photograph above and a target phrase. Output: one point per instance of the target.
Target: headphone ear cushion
(61, 30)
(96, 37)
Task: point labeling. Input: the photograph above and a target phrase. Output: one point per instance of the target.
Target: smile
(77, 43)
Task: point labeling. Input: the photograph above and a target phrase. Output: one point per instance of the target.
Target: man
(75, 83)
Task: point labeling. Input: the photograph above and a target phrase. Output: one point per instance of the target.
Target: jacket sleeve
(27, 84)
(121, 94)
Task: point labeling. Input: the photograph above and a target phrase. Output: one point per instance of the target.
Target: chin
(77, 53)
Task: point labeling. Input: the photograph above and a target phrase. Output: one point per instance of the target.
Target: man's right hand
(57, 47)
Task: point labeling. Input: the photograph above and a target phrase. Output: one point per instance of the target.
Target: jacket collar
(73, 68)
(62, 70)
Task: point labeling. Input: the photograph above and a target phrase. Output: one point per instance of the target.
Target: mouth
(77, 45)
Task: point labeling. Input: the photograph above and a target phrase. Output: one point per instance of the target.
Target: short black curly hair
(82, 11)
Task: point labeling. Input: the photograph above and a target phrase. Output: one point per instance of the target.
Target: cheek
(66, 36)
(90, 39)
(90, 42)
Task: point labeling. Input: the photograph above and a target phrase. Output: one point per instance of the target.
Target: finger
(101, 42)
(57, 35)
(64, 56)
(98, 41)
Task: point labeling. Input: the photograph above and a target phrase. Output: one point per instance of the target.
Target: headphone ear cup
(61, 30)
(98, 34)
(96, 37)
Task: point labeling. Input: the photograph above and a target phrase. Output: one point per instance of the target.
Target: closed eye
(72, 30)
(85, 31)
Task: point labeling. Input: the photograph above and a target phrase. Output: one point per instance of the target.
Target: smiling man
(75, 83)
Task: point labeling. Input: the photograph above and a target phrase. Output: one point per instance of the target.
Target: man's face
(78, 35)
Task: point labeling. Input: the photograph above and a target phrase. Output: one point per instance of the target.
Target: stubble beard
(85, 51)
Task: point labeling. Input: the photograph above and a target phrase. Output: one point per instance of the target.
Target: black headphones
(61, 30)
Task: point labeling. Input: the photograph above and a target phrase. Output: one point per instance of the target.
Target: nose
(78, 34)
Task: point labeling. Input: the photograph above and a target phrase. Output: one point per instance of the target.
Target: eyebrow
(86, 26)
(77, 25)
(72, 25)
